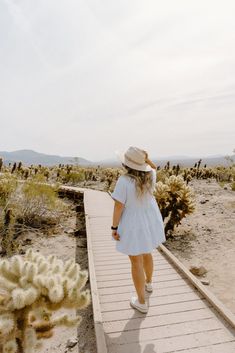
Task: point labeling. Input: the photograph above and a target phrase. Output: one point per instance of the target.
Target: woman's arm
(148, 161)
(117, 212)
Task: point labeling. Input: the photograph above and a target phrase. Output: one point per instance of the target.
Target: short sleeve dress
(141, 226)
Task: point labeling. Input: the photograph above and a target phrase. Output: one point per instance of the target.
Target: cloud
(22, 23)
(102, 73)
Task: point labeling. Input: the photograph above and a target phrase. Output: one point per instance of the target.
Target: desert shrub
(72, 177)
(37, 204)
(32, 289)
(225, 173)
(175, 200)
(33, 204)
(76, 177)
(8, 185)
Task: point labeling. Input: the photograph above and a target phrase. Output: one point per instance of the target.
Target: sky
(87, 78)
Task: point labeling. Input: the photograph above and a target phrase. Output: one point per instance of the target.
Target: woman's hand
(115, 235)
(148, 161)
(146, 157)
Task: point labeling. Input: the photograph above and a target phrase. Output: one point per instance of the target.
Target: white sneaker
(149, 286)
(134, 302)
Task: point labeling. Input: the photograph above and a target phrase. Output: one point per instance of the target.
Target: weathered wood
(98, 321)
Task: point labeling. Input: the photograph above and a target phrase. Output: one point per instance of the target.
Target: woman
(137, 221)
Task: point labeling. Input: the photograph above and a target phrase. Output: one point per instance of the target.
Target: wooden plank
(151, 321)
(155, 300)
(161, 292)
(117, 272)
(128, 281)
(124, 267)
(124, 289)
(225, 347)
(173, 344)
(116, 260)
(165, 331)
(155, 310)
(98, 321)
(114, 275)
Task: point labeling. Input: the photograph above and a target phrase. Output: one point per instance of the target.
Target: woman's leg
(138, 277)
(148, 266)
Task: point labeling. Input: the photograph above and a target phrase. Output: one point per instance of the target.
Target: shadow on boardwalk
(130, 335)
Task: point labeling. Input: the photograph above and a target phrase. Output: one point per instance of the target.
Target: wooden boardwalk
(183, 315)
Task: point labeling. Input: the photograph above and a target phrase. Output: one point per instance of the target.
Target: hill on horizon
(28, 157)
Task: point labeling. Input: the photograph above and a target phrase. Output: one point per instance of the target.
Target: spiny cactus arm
(29, 340)
(7, 324)
(24, 297)
(65, 320)
(42, 326)
(6, 271)
(10, 347)
(44, 329)
(44, 334)
(77, 299)
(7, 284)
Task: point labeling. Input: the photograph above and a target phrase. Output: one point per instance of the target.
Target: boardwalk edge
(98, 322)
(220, 307)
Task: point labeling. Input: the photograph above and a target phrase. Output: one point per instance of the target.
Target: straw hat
(134, 158)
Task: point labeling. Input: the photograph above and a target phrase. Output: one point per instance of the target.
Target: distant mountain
(190, 161)
(28, 157)
(183, 161)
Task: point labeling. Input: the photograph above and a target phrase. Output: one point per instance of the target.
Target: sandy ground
(207, 237)
(65, 245)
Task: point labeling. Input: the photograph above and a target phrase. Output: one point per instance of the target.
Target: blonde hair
(143, 180)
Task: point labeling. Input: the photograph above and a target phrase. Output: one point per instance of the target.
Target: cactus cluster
(32, 288)
(175, 200)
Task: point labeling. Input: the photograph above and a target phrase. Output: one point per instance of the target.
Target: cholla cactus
(31, 288)
(175, 200)
(7, 244)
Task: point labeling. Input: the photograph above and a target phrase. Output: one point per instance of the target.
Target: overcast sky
(85, 78)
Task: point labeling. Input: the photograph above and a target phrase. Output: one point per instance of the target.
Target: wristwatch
(114, 228)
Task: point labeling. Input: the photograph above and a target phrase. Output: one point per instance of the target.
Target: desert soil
(207, 237)
(66, 245)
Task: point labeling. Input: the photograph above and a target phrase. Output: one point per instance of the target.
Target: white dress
(141, 226)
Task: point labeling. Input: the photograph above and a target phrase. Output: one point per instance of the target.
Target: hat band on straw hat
(131, 160)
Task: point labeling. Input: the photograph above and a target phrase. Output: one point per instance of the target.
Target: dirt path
(207, 237)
